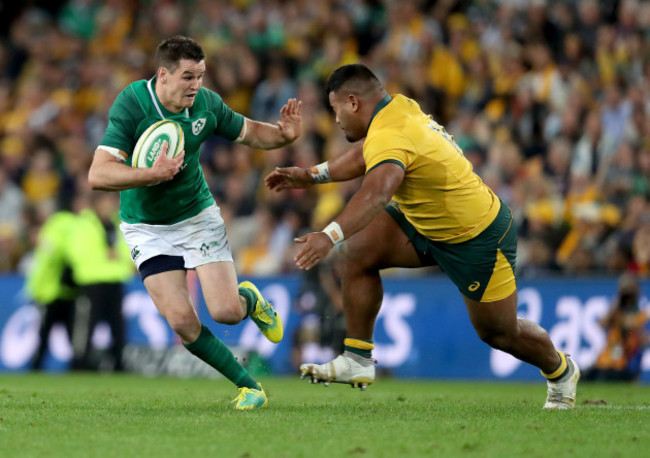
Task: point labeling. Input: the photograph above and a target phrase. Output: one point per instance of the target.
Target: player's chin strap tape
(320, 173)
(334, 232)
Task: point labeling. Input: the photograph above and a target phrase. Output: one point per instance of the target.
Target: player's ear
(354, 102)
(162, 74)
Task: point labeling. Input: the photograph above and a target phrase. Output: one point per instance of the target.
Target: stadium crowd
(550, 100)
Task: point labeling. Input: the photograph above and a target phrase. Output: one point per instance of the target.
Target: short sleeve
(122, 123)
(387, 147)
(229, 122)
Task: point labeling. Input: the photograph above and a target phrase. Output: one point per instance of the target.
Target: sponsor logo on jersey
(198, 125)
(205, 249)
(474, 286)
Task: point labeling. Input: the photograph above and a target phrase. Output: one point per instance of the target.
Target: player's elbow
(381, 199)
(95, 181)
(377, 202)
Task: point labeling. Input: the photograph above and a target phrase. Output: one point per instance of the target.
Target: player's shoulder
(400, 110)
(130, 90)
(128, 96)
(403, 102)
(133, 102)
(210, 97)
(385, 135)
(384, 132)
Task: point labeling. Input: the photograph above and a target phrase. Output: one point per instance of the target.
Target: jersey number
(441, 130)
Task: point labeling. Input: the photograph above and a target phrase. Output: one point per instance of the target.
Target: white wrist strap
(334, 232)
(321, 173)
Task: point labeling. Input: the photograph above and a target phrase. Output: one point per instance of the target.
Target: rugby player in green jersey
(170, 219)
(442, 214)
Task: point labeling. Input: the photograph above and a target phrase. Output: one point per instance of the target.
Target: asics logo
(474, 286)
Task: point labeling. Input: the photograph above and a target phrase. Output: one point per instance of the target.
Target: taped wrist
(334, 232)
(321, 173)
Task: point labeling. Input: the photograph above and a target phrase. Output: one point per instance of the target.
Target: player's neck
(375, 105)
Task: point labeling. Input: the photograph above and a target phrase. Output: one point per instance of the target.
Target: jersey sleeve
(122, 122)
(387, 146)
(229, 122)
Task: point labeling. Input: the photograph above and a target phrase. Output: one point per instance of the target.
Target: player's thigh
(170, 294)
(493, 318)
(483, 267)
(381, 244)
(219, 285)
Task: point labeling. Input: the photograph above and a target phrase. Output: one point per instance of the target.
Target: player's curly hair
(171, 51)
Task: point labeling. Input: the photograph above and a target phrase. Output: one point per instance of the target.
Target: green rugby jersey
(134, 110)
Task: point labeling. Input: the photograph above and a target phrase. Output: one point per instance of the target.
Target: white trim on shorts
(199, 240)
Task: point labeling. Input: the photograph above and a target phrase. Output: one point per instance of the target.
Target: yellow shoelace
(260, 313)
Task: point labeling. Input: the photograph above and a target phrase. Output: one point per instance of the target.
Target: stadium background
(550, 100)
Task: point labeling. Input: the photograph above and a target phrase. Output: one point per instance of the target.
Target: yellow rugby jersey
(440, 195)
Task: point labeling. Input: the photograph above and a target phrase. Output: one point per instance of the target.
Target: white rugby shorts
(199, 240)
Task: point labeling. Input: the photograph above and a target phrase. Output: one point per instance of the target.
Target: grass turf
(88, 415)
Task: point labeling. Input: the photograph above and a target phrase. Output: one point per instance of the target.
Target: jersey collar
(156, 103)
(382, 103)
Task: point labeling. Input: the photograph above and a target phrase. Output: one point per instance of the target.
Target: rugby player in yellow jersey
(420, 204)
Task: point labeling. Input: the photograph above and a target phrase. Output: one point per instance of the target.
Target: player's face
(182, 85)
(346, 109)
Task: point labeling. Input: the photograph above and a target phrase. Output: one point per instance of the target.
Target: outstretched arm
(377, 189)
(268, 136)
(345, 167)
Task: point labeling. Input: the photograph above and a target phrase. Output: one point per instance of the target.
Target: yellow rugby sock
(560, 371)
(361, 347)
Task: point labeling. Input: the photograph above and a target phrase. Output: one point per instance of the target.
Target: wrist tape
(334, 232)
(321, 173)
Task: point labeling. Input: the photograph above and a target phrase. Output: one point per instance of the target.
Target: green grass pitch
(88, 415)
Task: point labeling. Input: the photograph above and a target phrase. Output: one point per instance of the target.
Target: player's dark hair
(353, 73)
(171, 51)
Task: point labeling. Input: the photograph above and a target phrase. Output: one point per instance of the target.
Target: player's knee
(186, 325)
(498, 338)
(355, 256)
(228, 312)
(487, 336)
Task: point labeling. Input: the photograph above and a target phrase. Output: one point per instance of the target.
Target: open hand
(291, 123)
(288, 178)
(317, 246)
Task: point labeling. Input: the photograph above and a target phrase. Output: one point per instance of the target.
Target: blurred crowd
(550, 100)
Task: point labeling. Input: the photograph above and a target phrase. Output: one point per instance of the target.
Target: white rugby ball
(149, 145)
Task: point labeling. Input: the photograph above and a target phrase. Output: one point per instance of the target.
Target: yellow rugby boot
(265, 316)
(250, 398)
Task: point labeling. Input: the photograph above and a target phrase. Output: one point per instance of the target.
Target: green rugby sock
(214, 352)
(251, 299)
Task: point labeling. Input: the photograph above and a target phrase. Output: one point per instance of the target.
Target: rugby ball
(150, 143)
